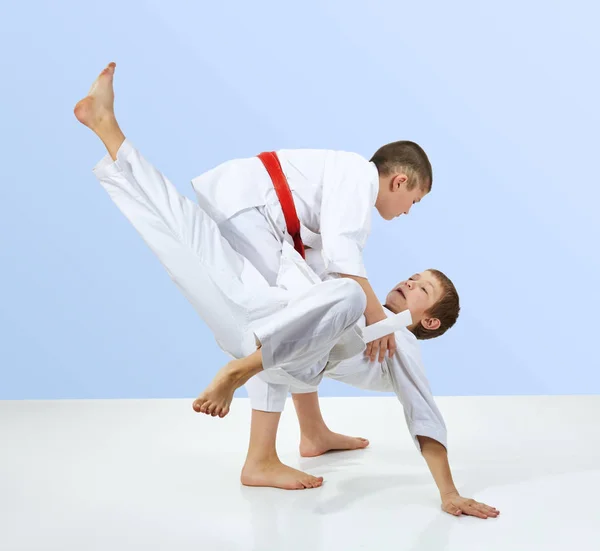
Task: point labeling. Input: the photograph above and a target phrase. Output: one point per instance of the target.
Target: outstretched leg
(316, 438)
(227, 291)
(187, 242)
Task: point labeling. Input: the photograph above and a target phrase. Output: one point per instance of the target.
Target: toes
(223, 410)
(314, 482)
(208, 407)
(197, 405)
(305, 483)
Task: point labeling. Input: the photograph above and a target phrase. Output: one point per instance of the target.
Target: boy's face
(394, 199)
(417, 294)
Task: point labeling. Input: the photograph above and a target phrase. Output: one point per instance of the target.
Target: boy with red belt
(320, 200)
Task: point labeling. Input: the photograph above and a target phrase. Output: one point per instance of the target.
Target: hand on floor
(457, 505)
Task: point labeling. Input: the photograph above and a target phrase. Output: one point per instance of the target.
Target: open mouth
(400, 291)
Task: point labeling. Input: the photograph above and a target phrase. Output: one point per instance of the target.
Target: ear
(398, 180)
(431, 323)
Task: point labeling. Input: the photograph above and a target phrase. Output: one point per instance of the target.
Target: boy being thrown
(254, 322)
(340, 188)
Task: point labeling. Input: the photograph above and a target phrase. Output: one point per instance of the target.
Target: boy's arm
(436, 457)
(426, 424)
(374, 312)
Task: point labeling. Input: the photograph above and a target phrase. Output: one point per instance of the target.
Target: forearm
(374, 307)
(436, 457)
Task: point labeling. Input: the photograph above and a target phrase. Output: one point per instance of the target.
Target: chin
(395, 304)
(386, 216)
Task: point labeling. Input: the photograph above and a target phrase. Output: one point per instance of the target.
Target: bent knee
(354, 297)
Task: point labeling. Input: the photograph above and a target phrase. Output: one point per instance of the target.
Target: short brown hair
(407, 157)
(446, 309)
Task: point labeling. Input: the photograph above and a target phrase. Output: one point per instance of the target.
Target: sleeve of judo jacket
(349, 194)
(413, 390)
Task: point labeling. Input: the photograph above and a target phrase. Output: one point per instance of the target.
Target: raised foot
(216, 399)
(330, 441)
(97, 108)
(274, 474)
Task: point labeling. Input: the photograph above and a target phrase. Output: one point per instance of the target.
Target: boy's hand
(373, 313)
(387, 343)
(456, 505)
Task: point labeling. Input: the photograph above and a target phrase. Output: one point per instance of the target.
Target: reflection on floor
(151, 474)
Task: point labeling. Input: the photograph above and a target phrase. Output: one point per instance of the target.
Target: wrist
(448, 493)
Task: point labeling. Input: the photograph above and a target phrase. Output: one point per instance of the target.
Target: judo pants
(259, 239)
(296, 330)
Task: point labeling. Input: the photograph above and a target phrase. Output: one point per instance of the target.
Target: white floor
(151, 474)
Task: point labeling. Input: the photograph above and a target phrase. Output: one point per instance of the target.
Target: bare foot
(329, 441)
(274, 474)
(97, 108)
(217, 397)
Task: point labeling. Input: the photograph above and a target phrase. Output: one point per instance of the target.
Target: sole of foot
(97, 108)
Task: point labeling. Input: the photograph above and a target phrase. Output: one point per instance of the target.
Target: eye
(424, 290)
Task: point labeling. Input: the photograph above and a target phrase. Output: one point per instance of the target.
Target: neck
(395, 310)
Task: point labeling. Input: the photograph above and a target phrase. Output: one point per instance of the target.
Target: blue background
(502, 96)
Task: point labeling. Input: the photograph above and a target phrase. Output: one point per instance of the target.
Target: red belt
(284, 194)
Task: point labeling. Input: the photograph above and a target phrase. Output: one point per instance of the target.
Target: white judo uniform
(299, 323)
(308, 328)
(402, 374)
(334, 194)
